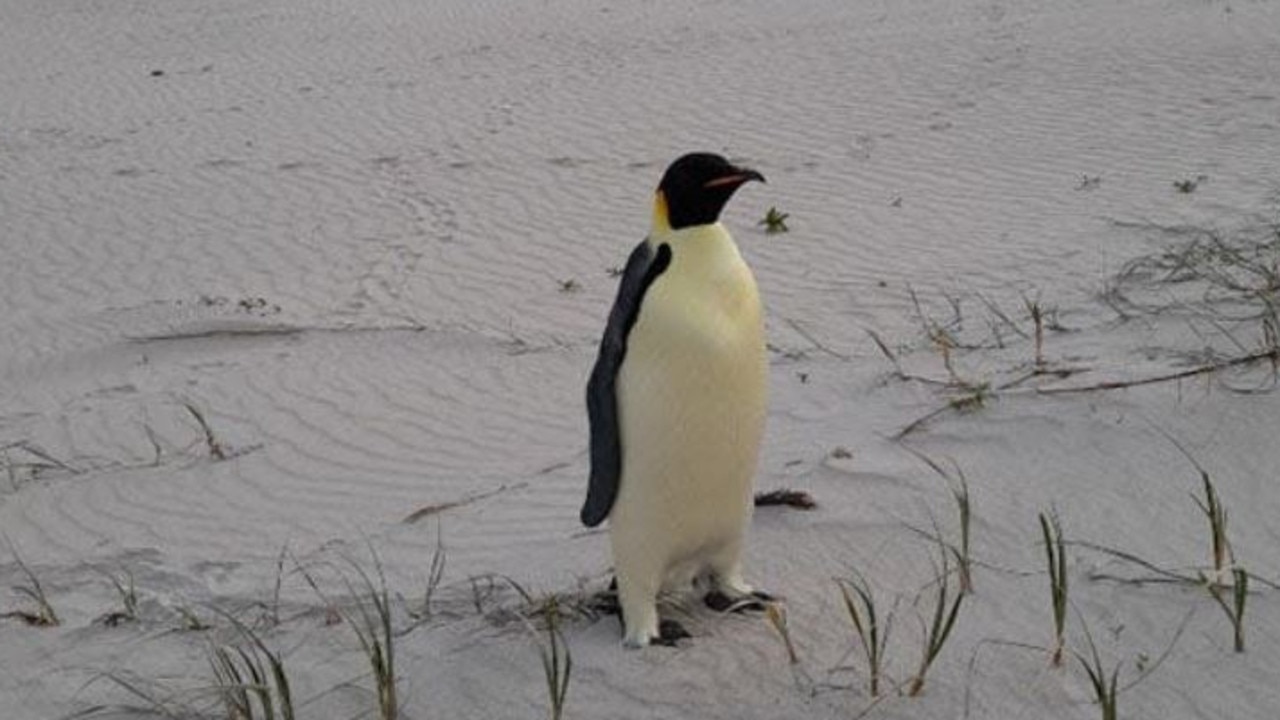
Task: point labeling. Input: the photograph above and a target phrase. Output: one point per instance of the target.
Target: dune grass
(942, 620)
(249, 679)
(374, 632)
(1056, 555)
(127, 590)
(435, 575)
(557, 659)
(372, 626)
(1216, 514)
(1106, 687)
(241, 677)
(958, 486)
(1234, 608)
(1232, 596)
(43, 615)
(1224, 563)
(872, 631)
(1036, 311)
(1221, 554)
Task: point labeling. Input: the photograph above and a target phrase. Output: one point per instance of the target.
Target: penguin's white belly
(692, 394)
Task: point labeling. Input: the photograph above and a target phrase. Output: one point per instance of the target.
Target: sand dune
(369, 245)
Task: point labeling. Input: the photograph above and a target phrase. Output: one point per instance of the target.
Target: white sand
(340, 230)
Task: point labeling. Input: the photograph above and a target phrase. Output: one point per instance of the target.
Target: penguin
(676, 405)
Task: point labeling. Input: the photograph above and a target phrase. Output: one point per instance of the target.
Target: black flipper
(643, 267)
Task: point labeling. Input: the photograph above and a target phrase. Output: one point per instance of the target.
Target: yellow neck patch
(661, 220)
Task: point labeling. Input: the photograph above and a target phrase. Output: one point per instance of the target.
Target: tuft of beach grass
(958, 485)
(127, 590)
(44, 614)
(557, 659)
(872, 631)
(1235, 605)
(1056, 557)
(1106, 687)
(249, 676)
(371, 624)
(943, 619)
(1216, 514)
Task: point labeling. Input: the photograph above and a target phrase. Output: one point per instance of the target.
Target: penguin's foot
(606, 602)
(670, 633)
(754, 601)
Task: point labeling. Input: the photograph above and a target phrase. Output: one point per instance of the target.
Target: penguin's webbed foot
(755, 601)
(670, 632)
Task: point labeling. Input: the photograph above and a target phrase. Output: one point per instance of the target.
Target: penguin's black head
(696, 187)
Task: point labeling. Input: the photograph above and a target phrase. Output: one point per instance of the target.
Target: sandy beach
(296, 291)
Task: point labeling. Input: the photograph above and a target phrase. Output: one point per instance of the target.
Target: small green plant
(974, 398)
(959, 487)
(935, 634)
(43, 615)
(860, 603)
(775, 221)
(1224, 562)
(1235, 608)
(557, 660)
(242, 675)
(1105, 687)
(233, 691)
(1056, 554)
(371, 623)
(958, 484)
(1216, 514)
(128, 593)
(434, 577)
(1189, 185)
(373, 629)
(1037, 319)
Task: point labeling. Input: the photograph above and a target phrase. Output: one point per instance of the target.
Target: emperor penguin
(676, 403)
